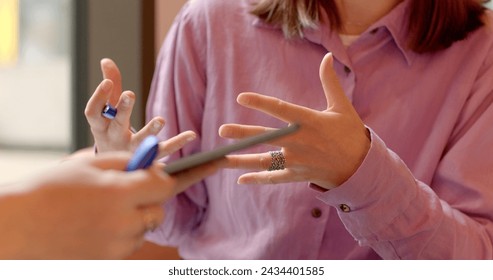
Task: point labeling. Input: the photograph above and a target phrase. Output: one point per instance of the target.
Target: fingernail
(241, 99)
(157, 125)
(329, 56)
(224, 131)
(104, 62)
(244, 181)
(125, 100)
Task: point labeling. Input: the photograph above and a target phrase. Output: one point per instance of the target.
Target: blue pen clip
(145, 154)
(109, 111)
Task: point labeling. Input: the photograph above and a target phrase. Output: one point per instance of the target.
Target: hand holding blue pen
(145, 154)
(108, 113)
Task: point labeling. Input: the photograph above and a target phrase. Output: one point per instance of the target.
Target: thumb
(336, 99)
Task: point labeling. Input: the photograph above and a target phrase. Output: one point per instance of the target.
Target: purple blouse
(425, 189)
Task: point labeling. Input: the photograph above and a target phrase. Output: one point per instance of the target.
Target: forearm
(402, 218)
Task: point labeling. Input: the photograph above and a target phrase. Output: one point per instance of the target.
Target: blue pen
(144, 154)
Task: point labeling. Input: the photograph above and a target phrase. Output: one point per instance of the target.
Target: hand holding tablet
(147, 151)
(205, 157)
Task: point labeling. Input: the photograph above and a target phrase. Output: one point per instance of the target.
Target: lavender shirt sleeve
(451, 218)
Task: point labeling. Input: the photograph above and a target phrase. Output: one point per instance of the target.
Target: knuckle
(90, 117)
(237, 133)
(87, 112)
(280, 106)
(171, 147)
(265, 162)
(235, 162)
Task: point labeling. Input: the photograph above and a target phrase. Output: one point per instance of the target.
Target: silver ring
(277, 162)
(149, 221)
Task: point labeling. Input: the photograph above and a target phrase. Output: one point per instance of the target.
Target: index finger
(280, 109)
(97, 101)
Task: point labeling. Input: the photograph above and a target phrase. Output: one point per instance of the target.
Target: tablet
(205, 157)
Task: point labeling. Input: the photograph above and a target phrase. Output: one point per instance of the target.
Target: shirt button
(344, 208)
(316, 213)
(347, 69)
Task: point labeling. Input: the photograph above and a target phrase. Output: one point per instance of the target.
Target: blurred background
(49, 66)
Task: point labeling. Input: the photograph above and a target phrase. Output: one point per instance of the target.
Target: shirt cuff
(162, 235)
(381, 189)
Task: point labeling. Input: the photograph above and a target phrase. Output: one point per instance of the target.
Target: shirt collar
(394, 22)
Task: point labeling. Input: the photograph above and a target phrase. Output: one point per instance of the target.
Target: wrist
(359, 151)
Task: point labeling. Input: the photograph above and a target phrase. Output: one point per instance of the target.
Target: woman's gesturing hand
(327, 150)
(116, 134)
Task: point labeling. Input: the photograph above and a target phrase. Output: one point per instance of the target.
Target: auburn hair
(432, 25)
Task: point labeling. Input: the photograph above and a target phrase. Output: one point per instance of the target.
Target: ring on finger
(150, 222)
(277, 161)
